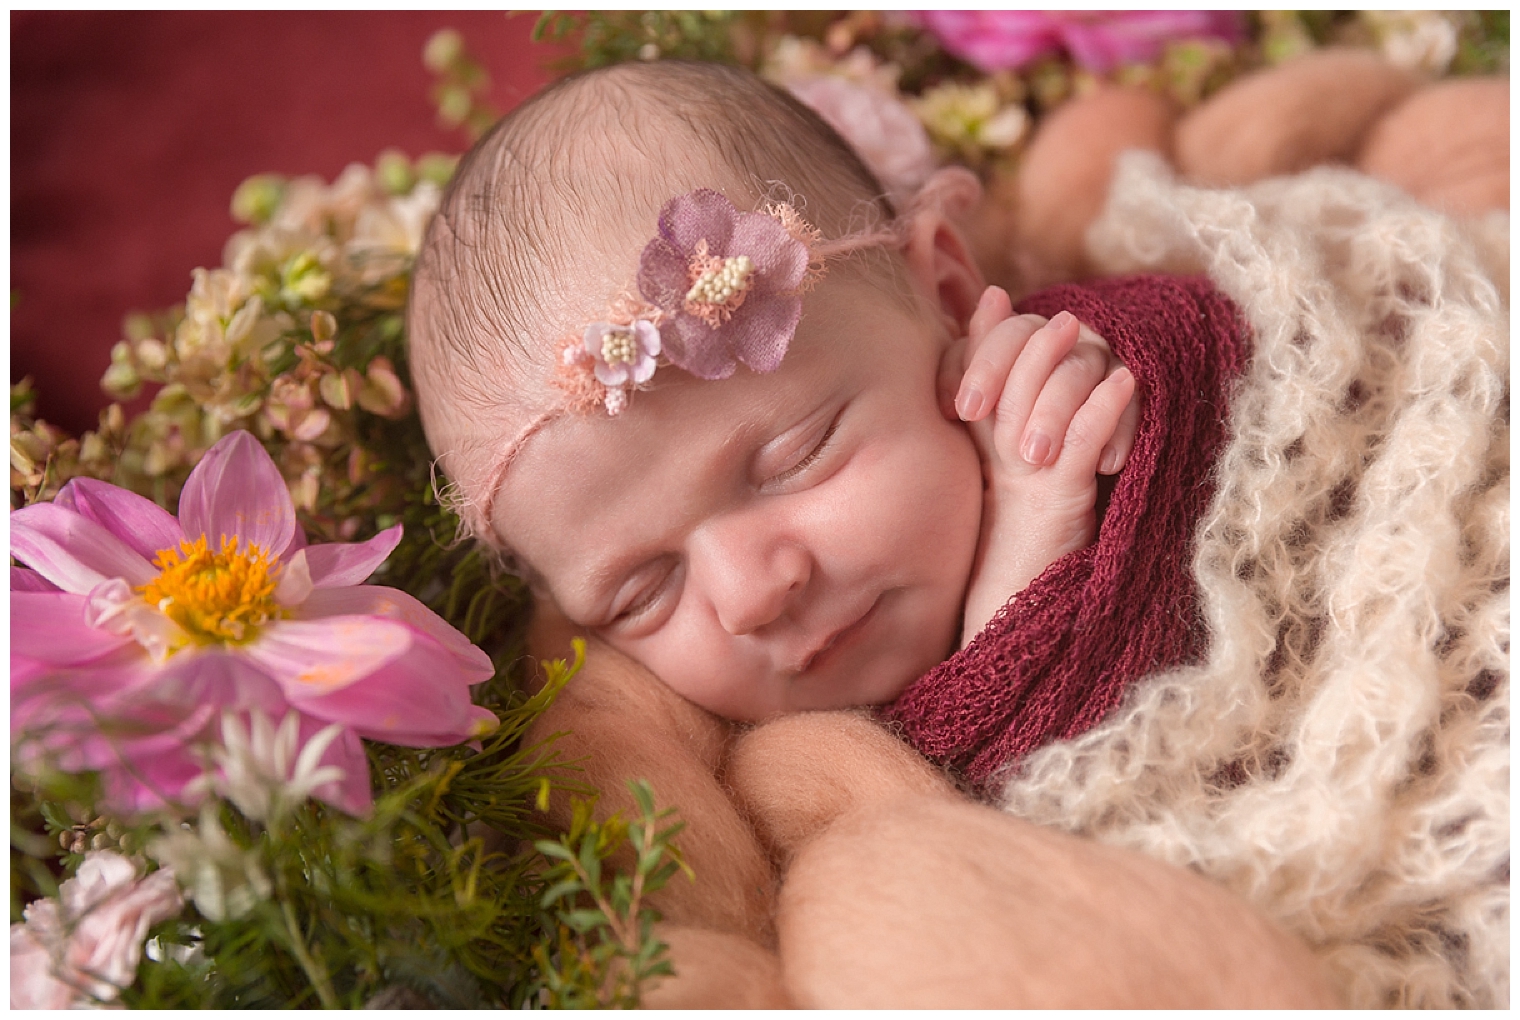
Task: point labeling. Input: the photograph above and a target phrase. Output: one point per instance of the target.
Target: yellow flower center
(618, 345)
(722, 283)
(217, 598)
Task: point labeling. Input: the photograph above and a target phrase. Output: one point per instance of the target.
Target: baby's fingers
(1116, 452)
(1095, 425)
(992, 309)
(995, 342)
(987, 379)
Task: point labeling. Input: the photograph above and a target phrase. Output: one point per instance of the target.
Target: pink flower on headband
(727, 284)
(623, 354)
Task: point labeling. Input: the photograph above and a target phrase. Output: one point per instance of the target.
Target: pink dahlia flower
(134, 632)
(727, 282)
(1098, 40)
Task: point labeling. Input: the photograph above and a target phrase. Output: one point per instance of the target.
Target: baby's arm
(1050, 408)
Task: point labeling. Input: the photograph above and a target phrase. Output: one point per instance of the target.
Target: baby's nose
(749, 578)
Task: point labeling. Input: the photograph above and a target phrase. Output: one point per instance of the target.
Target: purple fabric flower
(727, 283)
(623, 355)
(1097, 40)
(134, 631)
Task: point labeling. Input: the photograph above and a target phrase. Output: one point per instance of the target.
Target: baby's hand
(1050, 408)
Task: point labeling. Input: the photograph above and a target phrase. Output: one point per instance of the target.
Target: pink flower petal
(237, 490)
(699, 215)
(308, 658)
(780, 260)
(33, 985)
(761, 329)
(151, 775)
(141, 523)
(49, 627)
(394, 604)
(25, 579)
(610, 375)
(223, 678)
(663, 280)
(345, 563)
(352, 792)
(993, 40)
(71, 551)
(417, 699)
(697, 348)
(44, 695)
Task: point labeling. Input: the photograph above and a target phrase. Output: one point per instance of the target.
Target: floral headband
(715, 288)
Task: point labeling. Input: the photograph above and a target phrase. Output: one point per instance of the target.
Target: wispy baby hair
(546, 216)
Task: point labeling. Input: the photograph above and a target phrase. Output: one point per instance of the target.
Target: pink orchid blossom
(727, 283)
(134, 632)
(85, 946)
(1097, 40)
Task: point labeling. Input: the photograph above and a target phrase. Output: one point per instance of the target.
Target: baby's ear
(941, 263)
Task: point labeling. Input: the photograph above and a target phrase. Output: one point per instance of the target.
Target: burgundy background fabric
(131, 129)
(1058, 659)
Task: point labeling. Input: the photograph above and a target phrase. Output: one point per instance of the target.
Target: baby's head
(793, 538)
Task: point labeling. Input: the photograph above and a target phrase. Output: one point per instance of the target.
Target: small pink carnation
(1097, 40)
(88, 943)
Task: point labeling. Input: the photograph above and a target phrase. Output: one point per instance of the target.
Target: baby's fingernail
(1060, 321)
(1110, 462)
(969, 403)
(1036, 448)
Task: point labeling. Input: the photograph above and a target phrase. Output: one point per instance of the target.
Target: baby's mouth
(838, 641)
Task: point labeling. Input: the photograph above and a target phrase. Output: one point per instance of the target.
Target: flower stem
(314, 970)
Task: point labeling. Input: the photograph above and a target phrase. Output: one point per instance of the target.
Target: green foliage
(462, 88)
(605, 945)
(612, 37)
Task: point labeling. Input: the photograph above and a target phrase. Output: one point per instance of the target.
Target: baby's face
(766, 543)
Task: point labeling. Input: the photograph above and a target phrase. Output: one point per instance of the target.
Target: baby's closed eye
(809, 457)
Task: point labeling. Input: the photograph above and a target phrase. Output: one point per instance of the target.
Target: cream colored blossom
(794, 58)
(1415, 40)
(312, 206)
(971, 117)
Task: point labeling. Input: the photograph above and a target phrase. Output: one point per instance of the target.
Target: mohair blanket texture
(1057, 658)
(1336, 750)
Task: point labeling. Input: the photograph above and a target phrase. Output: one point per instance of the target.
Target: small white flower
(224, 880)
(258, 767)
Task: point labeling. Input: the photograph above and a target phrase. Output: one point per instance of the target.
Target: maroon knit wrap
(1057, 659)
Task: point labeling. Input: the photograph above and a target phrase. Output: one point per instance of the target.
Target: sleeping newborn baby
(735, 415)
(685, 364)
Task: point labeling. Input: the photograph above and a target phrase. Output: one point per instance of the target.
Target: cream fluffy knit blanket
(1341, 759)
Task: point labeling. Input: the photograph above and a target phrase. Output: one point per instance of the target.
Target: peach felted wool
(1341, 757)
(1446, 143)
